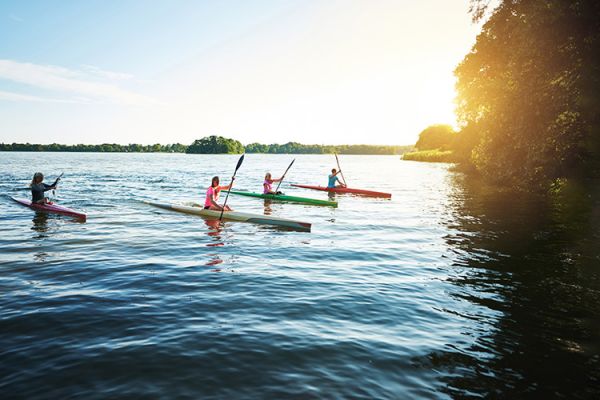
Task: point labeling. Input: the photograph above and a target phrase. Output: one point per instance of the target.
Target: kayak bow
(234, 216)
(347, 190)
(291, 199)
(51, 208)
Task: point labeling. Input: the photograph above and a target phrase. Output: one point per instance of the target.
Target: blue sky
(268, 71)
(132, 35)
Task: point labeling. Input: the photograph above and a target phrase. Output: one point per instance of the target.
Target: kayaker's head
(215, 181)
(268, 176)
(334, 171)
(38, 177)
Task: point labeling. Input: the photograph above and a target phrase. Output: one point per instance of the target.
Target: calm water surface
(446, 291)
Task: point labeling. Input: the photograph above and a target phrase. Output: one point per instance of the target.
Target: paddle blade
(284, 174)
(337, 159)
(239, 164)
(240, 161)
(288, 168)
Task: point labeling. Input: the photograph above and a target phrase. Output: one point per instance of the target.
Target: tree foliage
(438, 136)
(298, 148)
(528, 93)
(96, 148)
(215, 145)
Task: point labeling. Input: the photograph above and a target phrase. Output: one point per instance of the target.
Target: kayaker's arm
(228, 187)
(215, 204)
(49, 187)
(213, 201)
(53, 186)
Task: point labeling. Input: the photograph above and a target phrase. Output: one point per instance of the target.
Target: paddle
(283, 176)
(57, 179)
(340, 169)
(239, 164)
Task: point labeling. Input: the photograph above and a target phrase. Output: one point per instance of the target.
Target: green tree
(156, 148)
(215, 145)
(528, 93)
(257, 148)
(437, 136)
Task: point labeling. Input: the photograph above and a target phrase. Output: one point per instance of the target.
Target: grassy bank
(430, 156)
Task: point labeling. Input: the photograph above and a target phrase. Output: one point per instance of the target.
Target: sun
(436, 100)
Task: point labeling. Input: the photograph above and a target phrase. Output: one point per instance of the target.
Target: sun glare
(436, 100)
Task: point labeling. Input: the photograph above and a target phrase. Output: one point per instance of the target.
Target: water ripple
(441, 292)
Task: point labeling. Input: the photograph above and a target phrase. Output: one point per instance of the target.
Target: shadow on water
(528, 272)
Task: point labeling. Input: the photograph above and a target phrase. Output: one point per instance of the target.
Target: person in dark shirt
(38, 187)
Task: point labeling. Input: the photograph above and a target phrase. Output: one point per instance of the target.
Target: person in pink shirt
(268, 184)
(212, 195)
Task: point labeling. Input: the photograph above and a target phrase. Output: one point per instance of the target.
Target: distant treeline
(96, 148)
(220, 145)
(298, 148)
(211, 145)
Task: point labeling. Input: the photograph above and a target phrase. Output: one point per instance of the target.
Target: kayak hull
(52, 208)
(234, 216)
(286, 198)
(362, 192)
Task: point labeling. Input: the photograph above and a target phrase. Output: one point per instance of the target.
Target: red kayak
(347, 190)
(52, 208)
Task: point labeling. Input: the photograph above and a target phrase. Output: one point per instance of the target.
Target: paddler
(38, 187)
(212, 195)
(268, 184)
(333, 179)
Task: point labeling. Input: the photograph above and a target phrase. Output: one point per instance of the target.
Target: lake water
(448, 290)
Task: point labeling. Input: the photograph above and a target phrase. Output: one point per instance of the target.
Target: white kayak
(234, 216)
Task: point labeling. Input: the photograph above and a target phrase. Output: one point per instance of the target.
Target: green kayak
(282, 197)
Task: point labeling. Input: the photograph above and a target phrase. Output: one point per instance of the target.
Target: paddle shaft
(54, 190)
(340, 169)
(283, 176)
(239, 164)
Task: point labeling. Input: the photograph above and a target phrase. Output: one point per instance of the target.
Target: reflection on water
(449, 289)
(531, 266)
(215, 227)
(40, 256)
(214, 232)
(268, 209)
(40, 224)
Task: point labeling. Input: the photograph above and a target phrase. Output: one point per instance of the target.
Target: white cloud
(75, 83)
(36, 99)
(102, 73)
